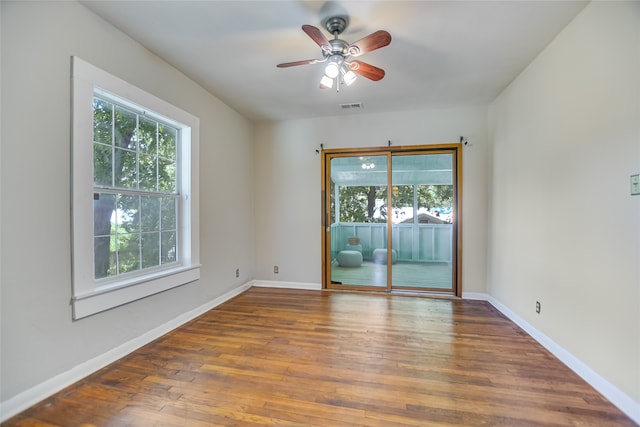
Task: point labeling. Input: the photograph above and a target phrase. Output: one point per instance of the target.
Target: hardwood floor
(311, 358)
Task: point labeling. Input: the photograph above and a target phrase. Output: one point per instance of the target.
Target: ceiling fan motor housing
(338, 46)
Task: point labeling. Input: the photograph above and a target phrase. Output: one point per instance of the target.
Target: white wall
(39, 340)
(564, 229)
(288, 179)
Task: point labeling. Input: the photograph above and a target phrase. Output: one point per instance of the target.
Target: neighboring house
(426, 218)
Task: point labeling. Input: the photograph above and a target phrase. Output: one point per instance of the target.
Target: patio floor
(433, 275)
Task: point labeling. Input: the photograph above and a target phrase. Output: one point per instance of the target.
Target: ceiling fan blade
(317, 36)
(373, 41)
(295, 63)
(366, 70)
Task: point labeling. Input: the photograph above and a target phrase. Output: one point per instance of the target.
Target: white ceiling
(442, 53)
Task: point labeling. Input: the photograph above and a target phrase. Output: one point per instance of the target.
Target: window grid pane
(169, 226)
(102, 121)
(128, 252)
(150, 249)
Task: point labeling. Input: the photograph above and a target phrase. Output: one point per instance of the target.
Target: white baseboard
(286, 285)
(30, 397)
(624, 402)
(475, 296)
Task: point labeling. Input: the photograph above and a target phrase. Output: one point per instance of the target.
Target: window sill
(120, 293)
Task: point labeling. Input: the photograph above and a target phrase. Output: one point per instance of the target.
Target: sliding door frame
(327, 154)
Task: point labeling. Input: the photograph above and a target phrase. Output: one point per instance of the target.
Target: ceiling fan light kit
(334, 64)
(349, 77)
(337, 54)
(326, 82)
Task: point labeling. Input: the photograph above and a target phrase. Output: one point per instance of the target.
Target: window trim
(91, 296)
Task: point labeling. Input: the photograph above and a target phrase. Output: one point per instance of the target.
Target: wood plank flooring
(312, 358)
(433, 275)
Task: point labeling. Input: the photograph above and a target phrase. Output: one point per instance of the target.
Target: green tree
(360, 203)
(355, 204)
(432, 196)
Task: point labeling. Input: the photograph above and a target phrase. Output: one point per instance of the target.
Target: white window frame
(91, 296)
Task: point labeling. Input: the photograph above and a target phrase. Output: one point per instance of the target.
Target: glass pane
(104, 229)
(102, 162)
(167, 176)
(332, 197)
(147, 137)
(104, 256)
(148, 172)
(402, 209)
(359, 236)
(422, 230)
(104, 206)
(126, 169)
(168, 247)
(168, 214)
(436, 201)
(150, 249)
(128, 214)
(128, 253)
(125, 128)
(102, 121)
(150, 213)
(168, 138)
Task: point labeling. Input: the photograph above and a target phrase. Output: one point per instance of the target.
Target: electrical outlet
(538, 307)
(237, 272)
(275, 269)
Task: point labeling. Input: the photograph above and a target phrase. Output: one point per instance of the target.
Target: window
(135, 192)
(135, 223)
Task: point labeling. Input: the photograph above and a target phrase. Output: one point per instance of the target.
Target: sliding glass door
(358, 220)
(392, 219)
(422, 221)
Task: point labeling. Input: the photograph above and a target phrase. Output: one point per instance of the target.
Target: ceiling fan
(338, 54)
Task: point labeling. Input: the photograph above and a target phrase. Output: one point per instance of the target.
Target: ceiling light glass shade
(368, 164)
(331, 70)
(349, 77)
(326, 82)
(333, 66)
